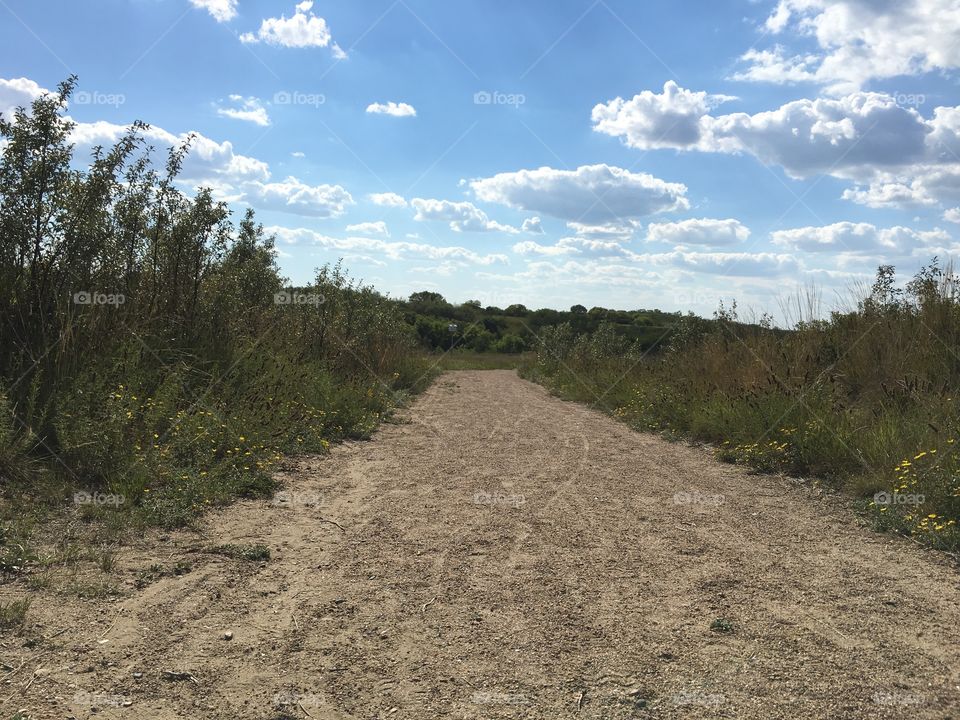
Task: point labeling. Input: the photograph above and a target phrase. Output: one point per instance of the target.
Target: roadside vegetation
(864, 400)
(153, 361)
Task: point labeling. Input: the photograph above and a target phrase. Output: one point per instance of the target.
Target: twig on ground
(423, 608)
(331, 522)
(178, 676)
(115, 618)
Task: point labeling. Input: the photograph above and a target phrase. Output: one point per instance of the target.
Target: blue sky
(611, 152)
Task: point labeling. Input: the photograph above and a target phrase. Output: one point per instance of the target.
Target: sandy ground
(504, 554)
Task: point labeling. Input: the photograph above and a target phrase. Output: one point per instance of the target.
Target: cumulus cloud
(294, 196)
(741, 264)
(304, 29)
(857, 238)
(392, 250)
(702, 231)
(895, 155)
(248, 109)
(221, 10)
(622, 230)
(850, 135)
(775, 66)
(529, 247)
(209, 162)
(532, 226)
(952, 215)
(462, 216)
(233, 177)
(387, 199)
(392, 108)
(575, 246)
(859, 40)
(670, 119)
(17, 92)
(370, 228)
(593, 194)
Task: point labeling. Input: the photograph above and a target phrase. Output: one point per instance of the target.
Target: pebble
(228, 635)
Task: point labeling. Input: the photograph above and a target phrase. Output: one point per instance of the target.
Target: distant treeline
(441, 325)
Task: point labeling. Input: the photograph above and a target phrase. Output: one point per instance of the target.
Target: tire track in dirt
(508, 555)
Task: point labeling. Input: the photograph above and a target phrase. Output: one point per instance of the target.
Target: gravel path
(503, 554)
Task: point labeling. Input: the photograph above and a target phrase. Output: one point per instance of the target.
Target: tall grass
(865, 399)
(152, 357)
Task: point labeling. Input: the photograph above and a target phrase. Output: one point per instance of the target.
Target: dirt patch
(506, 554)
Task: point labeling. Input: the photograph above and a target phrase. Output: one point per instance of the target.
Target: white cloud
(532, 226)
(857, 238)
(249, 109)
(703, 231)
(952, 215)
(529, 247)
(18, 92)
(775, 67)
(846, 136)
(297, 154)
(303, 29)
(668, 120)
(742, 264)
(592, 194)
(236, 178)
(860, 40)
(582, 246)
(387, 199)
(208, 162)
(370, 228)
(294, 196)
(221, 10)
(392, 250)
(462, 216)
(392, 108)
(894, 154)
(622, 230)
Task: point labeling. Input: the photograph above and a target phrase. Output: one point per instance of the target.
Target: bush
(185, 364)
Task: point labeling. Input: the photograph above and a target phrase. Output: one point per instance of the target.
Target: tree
(578, 310)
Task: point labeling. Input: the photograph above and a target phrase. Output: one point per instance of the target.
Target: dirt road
(504, 554)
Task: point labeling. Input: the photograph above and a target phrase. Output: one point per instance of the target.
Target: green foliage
(14, 614)
(150, 351)
(866, 399)
(251, 553)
